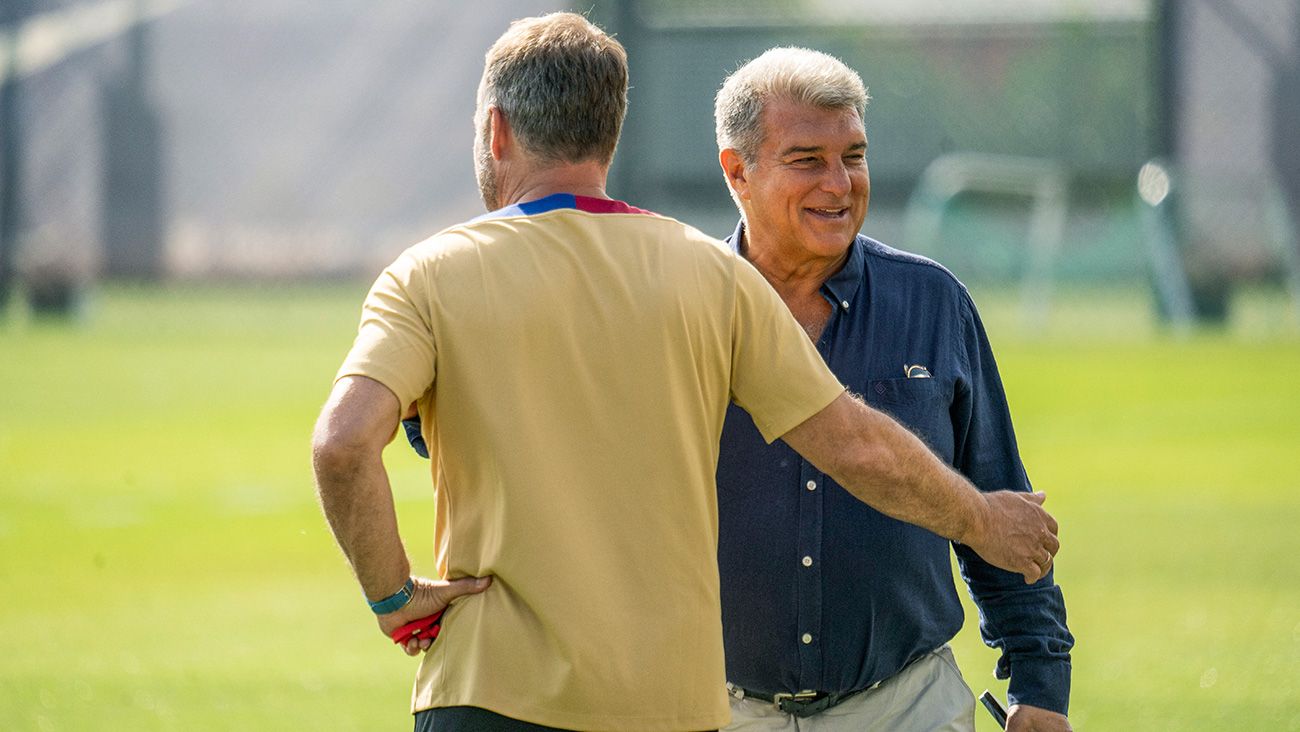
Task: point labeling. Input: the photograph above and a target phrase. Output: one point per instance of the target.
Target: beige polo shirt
(572, 368)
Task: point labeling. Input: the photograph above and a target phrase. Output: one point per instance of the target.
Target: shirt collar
(844, 285)
(563, 200)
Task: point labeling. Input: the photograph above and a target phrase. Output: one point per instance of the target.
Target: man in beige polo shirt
(571, 358)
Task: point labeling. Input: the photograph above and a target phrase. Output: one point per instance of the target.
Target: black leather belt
(800, 704)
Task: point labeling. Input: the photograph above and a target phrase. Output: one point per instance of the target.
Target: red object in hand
(427, 627)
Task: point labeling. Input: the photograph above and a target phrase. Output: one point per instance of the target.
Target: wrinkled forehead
(787, 123)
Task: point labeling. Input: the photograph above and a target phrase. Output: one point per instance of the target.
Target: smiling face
(805, 194)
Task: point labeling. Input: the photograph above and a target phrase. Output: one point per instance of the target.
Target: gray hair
(796, 74)
(561, 82)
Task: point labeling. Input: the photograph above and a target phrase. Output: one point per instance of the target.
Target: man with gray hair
(571, 359)
(837, 616)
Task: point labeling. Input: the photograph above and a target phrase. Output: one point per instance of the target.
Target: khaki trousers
(929, 695)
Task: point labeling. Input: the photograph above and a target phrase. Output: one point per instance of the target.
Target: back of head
(561, 83)
(799, 75)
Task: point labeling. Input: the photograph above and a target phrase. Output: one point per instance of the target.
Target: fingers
(1032, 575)
(415, 647)
(1053, 544)
(434, 595)
(1035, 571)
(1023, 538)
(1050, 537)
(430, 597)
(445, 592)
(1039, 498)
(1018, 536)
(1039, 568)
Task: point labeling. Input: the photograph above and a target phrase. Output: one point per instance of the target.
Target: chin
(830, 245)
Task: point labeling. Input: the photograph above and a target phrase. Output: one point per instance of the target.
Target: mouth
(829, 214)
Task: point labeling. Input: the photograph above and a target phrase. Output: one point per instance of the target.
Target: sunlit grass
(163, 564)
(1174, 467)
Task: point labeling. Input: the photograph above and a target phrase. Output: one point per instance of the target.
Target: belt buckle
(797, 697)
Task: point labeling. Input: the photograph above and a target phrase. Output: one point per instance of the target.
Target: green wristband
(395, 601)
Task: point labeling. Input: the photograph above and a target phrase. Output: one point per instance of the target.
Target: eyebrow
(793, 150)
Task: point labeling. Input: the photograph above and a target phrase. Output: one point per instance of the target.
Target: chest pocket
(920, 405)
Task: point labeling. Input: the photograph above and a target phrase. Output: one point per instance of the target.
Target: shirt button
(844, 304)
(807, 561)
(812, 485)
(807, 638)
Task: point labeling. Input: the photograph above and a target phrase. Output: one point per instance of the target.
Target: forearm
(913, 484)
(889, 468)
(357, 500)
(347, 454)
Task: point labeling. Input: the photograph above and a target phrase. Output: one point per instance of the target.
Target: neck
(792, 271)
(586, 178)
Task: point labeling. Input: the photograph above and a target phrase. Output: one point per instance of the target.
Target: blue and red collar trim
(564, 200)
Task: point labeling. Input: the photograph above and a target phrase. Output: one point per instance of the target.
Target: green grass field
(163, 564)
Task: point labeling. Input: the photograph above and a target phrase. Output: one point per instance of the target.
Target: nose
(836, 179)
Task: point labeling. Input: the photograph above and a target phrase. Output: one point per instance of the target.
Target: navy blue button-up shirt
(821, 592)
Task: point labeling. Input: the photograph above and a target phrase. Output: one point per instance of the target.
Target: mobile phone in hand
(995, 708)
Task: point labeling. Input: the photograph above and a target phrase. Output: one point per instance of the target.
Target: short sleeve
(395, 341)
(776, 373)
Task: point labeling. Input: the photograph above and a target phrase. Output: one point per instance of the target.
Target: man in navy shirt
(836, 616)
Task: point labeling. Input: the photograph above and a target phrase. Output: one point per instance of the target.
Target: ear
(499, 133)
(733, 169)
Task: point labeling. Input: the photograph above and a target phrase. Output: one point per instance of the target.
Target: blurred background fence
(143, 139)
